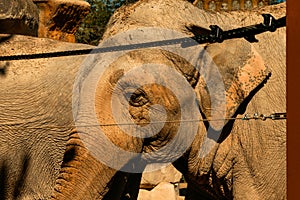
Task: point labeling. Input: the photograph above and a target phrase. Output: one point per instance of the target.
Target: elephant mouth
(124, 186)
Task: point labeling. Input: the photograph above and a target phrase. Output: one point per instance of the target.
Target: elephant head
(147, 106)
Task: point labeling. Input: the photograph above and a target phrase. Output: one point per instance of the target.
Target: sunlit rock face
(59, 19)
(55, 19)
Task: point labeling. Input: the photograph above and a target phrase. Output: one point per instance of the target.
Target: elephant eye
(137, 98)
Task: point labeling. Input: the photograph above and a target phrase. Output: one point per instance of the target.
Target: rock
(165, 174)
(163, 191)
(59, 19)
(19, 17)
(144, 194)
(55, 19)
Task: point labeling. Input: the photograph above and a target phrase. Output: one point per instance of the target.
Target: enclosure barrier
(216, 35)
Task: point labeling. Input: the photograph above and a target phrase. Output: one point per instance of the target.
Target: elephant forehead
(137, 58)
(161, 95)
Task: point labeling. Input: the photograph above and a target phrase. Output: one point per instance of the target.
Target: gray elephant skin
(42, 155)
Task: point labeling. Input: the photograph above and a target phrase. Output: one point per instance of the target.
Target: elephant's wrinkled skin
(251, 162)
(42, 155)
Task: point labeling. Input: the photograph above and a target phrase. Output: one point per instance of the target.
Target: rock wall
(19, 17)
(59, 19)
(55, 19)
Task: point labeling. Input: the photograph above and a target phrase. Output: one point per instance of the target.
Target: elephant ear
(240, 69)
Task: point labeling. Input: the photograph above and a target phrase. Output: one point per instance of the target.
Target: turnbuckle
(276, 116)
(256, 116)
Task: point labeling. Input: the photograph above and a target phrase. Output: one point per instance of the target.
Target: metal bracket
(269, 22)
(256, 116)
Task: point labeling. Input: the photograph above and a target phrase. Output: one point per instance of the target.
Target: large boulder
(19, 17)
(164, 174)
(59, 19)
(163, 191)
(55, 19)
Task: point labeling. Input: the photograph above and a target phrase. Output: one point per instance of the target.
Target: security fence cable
(247, 117)
(216, 35)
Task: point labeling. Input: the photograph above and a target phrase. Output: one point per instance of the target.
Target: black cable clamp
(248, 32)
(269, 22)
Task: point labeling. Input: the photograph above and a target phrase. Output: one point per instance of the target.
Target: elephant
(52, 109)
(249, 161)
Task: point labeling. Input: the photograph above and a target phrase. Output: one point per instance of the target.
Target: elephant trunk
(80, 175)
(83, 176)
